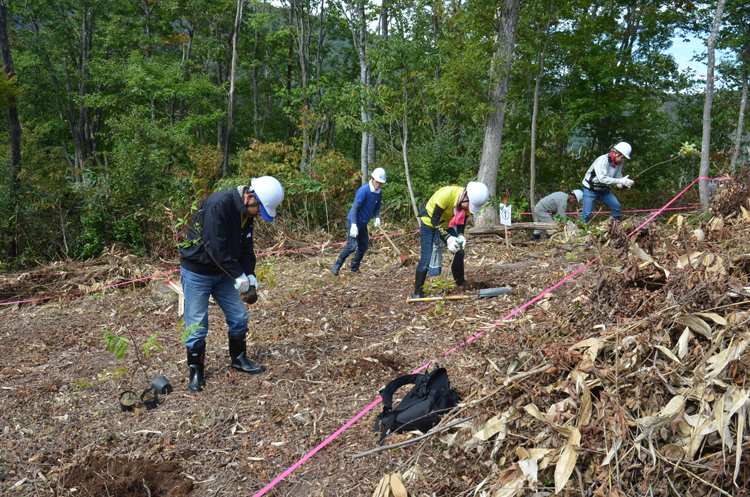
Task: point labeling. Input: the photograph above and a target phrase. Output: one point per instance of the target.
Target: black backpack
(421, 409)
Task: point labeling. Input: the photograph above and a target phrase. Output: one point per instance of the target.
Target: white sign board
(505, 216)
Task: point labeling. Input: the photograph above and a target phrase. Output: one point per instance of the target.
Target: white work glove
(377, 222)
(253, 281)
(242, 283)
(453, 244)
(354, 231)
(626, 182)
(462, 241)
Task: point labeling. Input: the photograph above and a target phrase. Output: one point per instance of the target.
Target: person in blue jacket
(365, 207)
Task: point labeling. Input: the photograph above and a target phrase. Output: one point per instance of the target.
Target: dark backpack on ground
(421, 409)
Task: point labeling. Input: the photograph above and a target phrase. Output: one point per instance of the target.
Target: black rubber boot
(238, 353)
(419, 283)
(195, 359)
(458, 274)
(355, 266)
(336, 267)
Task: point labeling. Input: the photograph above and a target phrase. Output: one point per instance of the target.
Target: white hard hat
(578, 194)
(478, 194)
(379, 175)
(270, 193)
(624, 148)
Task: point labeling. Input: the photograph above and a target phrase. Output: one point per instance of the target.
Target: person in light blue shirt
(366, 206)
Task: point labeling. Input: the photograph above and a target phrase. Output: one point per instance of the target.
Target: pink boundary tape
(176, 270)
(577, 213)
(479, 334)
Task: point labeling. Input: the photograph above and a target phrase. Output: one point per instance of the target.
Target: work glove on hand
(377, 222)
(626, 182)
(453, 244)
(462, 241)
(242, 283)
(354, 231)
(253, 280)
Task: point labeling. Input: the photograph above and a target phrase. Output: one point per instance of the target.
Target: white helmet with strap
(624, 148)
(270, 194)
(478, 194)
(379, 175)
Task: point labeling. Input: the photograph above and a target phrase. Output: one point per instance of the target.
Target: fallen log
(500, 230)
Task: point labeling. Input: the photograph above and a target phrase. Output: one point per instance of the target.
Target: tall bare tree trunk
(706, 142)
(740, 122)
(15, 131)
(404, 140)
(532, 167)
(507, 15)
(232, 75)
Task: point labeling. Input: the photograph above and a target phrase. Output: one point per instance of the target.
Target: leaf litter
(631, 379)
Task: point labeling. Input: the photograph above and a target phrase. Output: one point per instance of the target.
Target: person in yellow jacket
(444, 216)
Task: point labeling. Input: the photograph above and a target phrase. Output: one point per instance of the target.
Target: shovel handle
(452, 297)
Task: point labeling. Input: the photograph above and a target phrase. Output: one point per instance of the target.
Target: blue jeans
(360, 244)
(607, 198)
(426, 237)
(197, 289)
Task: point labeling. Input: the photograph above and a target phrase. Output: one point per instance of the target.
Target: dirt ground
(329, 345)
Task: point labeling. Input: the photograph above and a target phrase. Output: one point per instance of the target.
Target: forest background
(129, 112)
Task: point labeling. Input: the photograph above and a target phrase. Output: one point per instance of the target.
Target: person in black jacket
(218, 260)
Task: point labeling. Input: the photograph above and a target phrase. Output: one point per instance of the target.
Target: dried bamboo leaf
(682, 262)
(493, 426)
(530, 469)
(683, 343)
(640, 253)
(667, 353)
(695, 324)
(397, 486)
(567, 461)
(382, 485)
(587, 406)
(716, 364)
(534, 411)
(716, 318)
(745, 213)
(740, 428)
(612, 451)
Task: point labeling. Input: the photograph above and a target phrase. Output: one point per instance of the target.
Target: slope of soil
(329, 345)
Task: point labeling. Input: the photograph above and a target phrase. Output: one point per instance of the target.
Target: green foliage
(116, 345)
(124, 116)
(439, 285)
(265, 272)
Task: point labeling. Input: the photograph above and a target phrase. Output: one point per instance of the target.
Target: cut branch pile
(651, 400)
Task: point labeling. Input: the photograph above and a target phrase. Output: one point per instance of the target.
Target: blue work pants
(197, 288)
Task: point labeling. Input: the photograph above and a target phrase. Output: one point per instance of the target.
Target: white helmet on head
(624, 148)
(379, 175)
(578, 194)
(270, 193)
(478, 194)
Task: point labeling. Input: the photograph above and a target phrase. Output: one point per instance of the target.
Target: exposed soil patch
(330, 344)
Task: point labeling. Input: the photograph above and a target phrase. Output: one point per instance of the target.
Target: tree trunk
(405, 139)
(232, 75)
(15, 131)
(507, 14)
(740, 122)
(706, 142)
(534, 112)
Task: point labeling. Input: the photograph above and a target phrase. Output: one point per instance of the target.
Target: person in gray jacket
(600, 176)
(554, 203)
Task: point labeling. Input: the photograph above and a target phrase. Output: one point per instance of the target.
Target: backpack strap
(387, 394)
